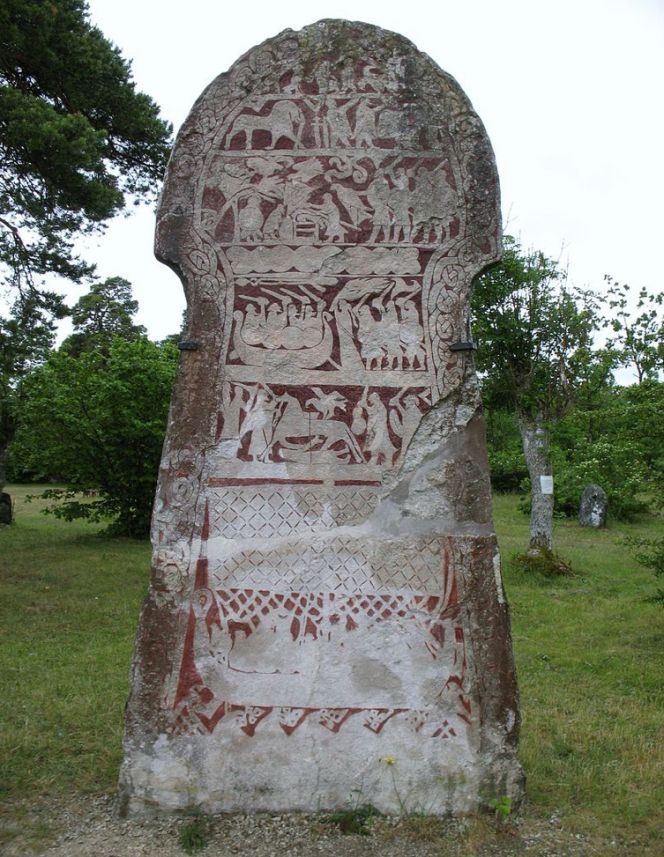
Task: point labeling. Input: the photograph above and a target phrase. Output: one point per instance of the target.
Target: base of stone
(438, 777)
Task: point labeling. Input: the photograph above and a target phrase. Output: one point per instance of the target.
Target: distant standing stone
(5, 508)
(593, 508)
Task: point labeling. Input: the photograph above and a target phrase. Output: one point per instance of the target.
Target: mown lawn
(591, 675)
(69, 602)
(588, 648)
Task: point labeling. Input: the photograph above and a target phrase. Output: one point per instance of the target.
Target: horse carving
(285, 119)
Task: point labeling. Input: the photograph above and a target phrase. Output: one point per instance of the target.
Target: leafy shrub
(354, 819)
(506, 460)
(194, 834)
(649, 553)
(615, 465)
(507, 469)
(97, 422)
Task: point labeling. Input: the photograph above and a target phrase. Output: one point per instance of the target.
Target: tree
(639, 337)
(75, 136)
(534, 338)
(26, 337)
(76, 141)
(106, 311)
(97, 422)
(614, 436)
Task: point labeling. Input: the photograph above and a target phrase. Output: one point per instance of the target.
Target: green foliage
(508, 470)
(534, 333)
(106, 311)
(75, 135)
(616, 467)
(534, 336)
(194, 833)
(502, 807)
(354, 820)
(535, 350)
(76, 139)
(650, 553)
(637, 418)
(506, 461)
(26, 337)
(617, 441)
(97, 422)
(638, 339)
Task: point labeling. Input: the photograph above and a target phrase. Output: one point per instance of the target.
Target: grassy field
(588, 648)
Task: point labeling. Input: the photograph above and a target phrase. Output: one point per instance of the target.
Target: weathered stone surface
(325, 587)
(593, 507)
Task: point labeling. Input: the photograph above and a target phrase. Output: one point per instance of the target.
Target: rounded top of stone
(593, 491)
(344, 23)
(345, 99)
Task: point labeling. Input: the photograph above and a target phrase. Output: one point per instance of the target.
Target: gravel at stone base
(90, 828)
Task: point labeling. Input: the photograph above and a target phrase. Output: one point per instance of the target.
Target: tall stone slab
(326, 617)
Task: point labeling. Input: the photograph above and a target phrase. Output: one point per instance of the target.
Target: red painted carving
(248, 718)
(314, 614)
(189, 675)
(342, 424)
(222, 481)
(240, 613)
(347, 198)
(366, 323)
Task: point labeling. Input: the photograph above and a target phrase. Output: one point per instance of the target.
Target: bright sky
(571, 94)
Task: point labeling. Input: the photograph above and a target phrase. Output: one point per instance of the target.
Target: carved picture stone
(326, 615)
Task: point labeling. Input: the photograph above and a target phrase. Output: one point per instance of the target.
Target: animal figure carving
(297, 431)
(285, 119)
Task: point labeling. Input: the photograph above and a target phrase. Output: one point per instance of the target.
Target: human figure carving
(379, 446)
(365, 123)
(338, 124)
(371, 343)
(257, 424)
(378, 196)
(273, 222)
(411, 333)
(434, 204)
(232, 401)
(250, 219)
(333, 228)
(352, 202)
(399, 202)
(405, 416)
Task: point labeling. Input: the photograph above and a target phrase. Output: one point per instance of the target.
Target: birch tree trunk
(535, 439)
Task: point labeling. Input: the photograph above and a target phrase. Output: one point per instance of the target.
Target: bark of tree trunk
(6, 511)
(535, 439)
(4, 450)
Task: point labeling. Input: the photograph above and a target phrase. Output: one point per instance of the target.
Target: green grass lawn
(69, 603)
(588, 649)
(589, 660)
